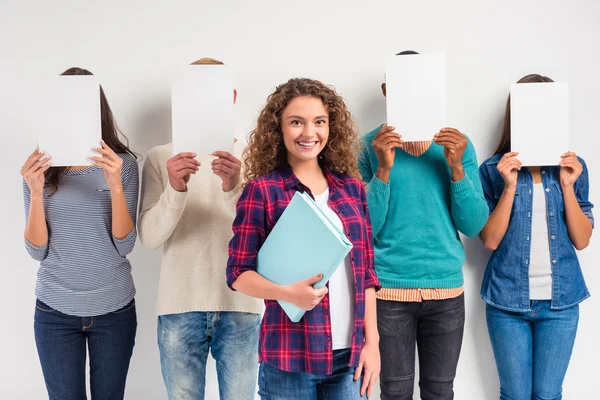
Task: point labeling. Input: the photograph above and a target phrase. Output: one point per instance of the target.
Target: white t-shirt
(540, 268)
(341, 288)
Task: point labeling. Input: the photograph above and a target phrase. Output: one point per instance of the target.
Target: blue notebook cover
(303, 243)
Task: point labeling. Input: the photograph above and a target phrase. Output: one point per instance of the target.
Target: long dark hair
(504, 143)
(110, 134)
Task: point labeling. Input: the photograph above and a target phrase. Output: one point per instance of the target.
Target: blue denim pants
(184, 341)
(61, 342)
(532, 349)
(275, 384)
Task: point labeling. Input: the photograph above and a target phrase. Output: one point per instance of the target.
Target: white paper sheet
(416, 95)
(202, 109)
(539, 122)
(68, 118)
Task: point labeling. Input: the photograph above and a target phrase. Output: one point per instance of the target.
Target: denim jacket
(506, 279)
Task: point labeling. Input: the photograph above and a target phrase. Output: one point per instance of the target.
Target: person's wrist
(457, 172)
(178, 187)
(116, 189)
(566, 186)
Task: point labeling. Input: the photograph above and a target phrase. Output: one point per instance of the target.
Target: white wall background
(133, 46)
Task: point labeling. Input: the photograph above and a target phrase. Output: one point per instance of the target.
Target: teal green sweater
(417, 216)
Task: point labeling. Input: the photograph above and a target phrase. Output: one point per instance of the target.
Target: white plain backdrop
(133, 46)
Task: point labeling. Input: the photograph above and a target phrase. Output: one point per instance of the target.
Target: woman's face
(305, 127)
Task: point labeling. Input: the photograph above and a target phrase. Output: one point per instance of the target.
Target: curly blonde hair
(266, 150)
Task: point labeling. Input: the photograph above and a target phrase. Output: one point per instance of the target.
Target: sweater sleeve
(378, 193)
(131, 186)
(160, 207)
(468, 205)
(38, 253)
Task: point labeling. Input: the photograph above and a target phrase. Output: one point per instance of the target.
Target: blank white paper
(202, 109)
(68, 118)
(539, 119)
(416, 95)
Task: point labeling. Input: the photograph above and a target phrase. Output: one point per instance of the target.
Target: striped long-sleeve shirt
(83, 267)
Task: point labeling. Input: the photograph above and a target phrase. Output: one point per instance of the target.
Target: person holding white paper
(420, 194)
(80, 226)
(533, 282)
(304, 141)
(187, 206)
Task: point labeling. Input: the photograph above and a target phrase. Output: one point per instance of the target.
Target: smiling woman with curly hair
(266, 150)
(304, 141)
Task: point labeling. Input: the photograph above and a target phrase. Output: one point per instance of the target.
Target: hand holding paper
(33, 172)
(384, 144)
(180, 167)
(227, 167)
(508, 167)
(570, 169)
(455, 144)
(111, 164)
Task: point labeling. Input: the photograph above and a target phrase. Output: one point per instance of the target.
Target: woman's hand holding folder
(303, 295)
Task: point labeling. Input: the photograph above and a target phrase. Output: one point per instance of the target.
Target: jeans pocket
(130, 306)
(43, 306)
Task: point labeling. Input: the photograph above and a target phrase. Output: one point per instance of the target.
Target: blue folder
(303, 243)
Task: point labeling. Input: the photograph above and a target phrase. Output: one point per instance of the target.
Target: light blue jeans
(532, 349)
(184, 341)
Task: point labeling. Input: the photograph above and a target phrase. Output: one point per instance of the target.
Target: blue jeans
(61, 344)
(184, 341)
(275, 384)
(532, 349)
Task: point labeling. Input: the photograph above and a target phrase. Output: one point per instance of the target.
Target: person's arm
(370, 360)
(248, 237)
(36, 230)
(574, 182)
(467, 204)
(377, 182)
(161, 207)
(124, 209)
(494, 230)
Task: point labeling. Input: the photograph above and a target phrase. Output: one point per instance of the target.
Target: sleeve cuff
(175, 200)
(377, 185)
(234, 193)
(234, 272)
(131, 235)
(373, 283)
(40, 249)
(590, 216)
(462, 185)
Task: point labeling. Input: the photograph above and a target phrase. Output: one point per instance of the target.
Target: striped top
(83, 268)
(410, 294)
(418, 295)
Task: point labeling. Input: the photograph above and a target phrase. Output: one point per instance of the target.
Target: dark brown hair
(504, 143)
(110, 134)
(266, 150)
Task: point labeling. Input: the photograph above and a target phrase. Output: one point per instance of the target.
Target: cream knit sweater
(194, 228)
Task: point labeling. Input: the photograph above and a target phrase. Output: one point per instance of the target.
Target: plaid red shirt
(304, 346)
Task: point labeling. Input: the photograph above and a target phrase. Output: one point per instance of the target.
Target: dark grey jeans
(436, 326)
